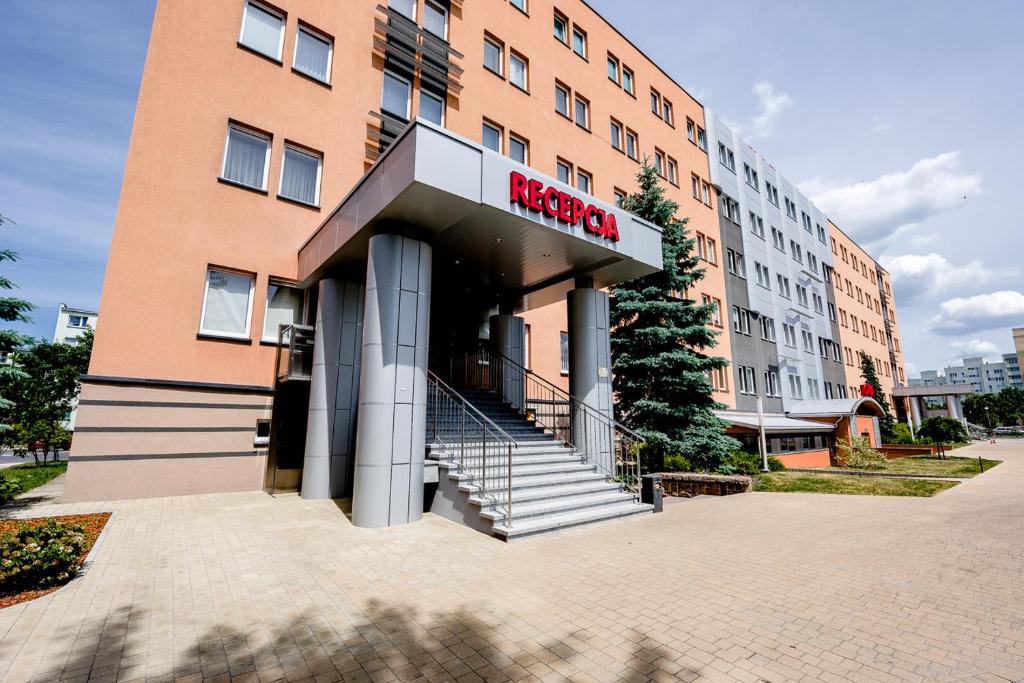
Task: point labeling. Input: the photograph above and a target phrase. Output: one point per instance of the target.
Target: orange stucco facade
(867, 314)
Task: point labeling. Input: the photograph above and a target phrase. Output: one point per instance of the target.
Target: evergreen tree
(660, 341)
(12, 309)
(870, 375)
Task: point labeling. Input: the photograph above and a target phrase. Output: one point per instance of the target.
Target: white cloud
(978, 313)
(873, 210)
(976, 347)
(916, 275)
(771, 105)
(879, 125)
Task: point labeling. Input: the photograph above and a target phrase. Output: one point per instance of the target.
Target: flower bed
(39, 555)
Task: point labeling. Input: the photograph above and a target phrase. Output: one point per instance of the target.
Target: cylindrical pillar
(590, 372)
(391, 437)
(915, 411)
(508, 334)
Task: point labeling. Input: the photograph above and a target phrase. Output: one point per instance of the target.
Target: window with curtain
(431, 107)
(395, 96)
(300, 176)
(435, 19)
(284, 307)
(493, 56)
(246, 157)
(517, 71)
(518, 148)
(405, 7)
(227, 304)
(262, 30)
(313, 55)
(492, 137)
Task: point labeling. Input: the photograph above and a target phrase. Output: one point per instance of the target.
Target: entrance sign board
(532, 194)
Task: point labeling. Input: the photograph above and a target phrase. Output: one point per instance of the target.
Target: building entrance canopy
(495, 226)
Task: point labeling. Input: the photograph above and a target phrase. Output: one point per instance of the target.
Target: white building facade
(72, 323)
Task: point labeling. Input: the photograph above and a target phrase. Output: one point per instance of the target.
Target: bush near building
(943, 431)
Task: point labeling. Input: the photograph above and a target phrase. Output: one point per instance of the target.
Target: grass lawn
(931, 465)
(797, 482)
(31, 475)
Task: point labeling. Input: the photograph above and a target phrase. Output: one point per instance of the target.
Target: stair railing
(596, 437)
(482, 449)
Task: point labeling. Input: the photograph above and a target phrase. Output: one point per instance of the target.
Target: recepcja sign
(562, 206)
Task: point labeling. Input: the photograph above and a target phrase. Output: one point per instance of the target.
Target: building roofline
(878, 266)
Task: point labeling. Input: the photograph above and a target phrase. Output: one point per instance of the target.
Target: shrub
(40, 556)
(677, 463)
(859, 455)
(900, 435)
(9, 488)
(742, 462)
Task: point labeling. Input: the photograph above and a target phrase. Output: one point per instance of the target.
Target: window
(494, 55)
(789, 333)
(746, 384)
(564, 172)
(492, 136)
(561, 28)
(706, 248)
(841, 390)
(691, 130)
(631, 144)
(431, 107)
(584, 181)
(778, 240)
(831, 312)
(667, 112)
(751, 177)
(796, 389)
(582, 112)
(783, 283)
(673, 171)
(812, 388)
(763, 276)
(313, 54)
(78, 321)
(812, 263)
(718, 380)
(818, 303)
(518, 71)
(695, 183)
(613, 69)
(740, 320)
(735, 263)
(628, 83)
(227, 304)
(616, 134)
(659, 162)
(579, 41)
(300, 176)
(563, 339)
(620, 197)
(519, 149)
(702, 139)
(406, 8)
(262, 30)
(655, 102)
(732, 209)
(395, 95)
(435, 19)
(821, 234)
(519, 5)
(284, 307)
(726, 157)
(756, 225)
(801, 295)
(772, 192)
(806, 220)
(771, 382)
(706, 190)
(246, 158)
(767, 329)
(796, 251)
(562, 100)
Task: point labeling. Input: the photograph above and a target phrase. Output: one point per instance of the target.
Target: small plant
(858, 454)
(39, 556)
(900, 435)
(750, 464)
(677, 463)
(9, 488)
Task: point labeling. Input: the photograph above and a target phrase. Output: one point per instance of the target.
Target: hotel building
(329, 218)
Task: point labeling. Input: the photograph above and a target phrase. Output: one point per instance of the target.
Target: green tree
(942, 431)
(12, 309)
(660, 341)
(983, 410)
(1010, 403)
(870, 375)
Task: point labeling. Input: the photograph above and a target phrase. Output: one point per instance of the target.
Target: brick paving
(754, 587)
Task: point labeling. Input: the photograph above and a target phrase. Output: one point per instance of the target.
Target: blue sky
(902, 119)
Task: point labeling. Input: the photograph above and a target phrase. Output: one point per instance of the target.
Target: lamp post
(988, 416)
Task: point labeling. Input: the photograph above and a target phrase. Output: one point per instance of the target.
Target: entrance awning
(494, 224)
(773, 424)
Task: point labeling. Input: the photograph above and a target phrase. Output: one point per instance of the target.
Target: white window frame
(414, 8)
(576, 30)
(616, 131)
(590, 181)
(494, 42)
(501, 136)
(408, 99)
(631, 79)
(444, 107)
(248, 312)
(559, 88)
(276, 282)
(444, 11)
(319, 172)
(525, 86)
(577, 100)
(268, 10)
(266, 161)
(330, 52)
(558, 16)
(526, 148)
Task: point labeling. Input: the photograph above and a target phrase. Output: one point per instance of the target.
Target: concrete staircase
(552, 488)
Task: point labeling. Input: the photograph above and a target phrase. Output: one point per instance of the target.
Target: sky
(900, 119)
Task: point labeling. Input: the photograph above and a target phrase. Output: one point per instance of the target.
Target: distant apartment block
(72, 323)
(984, 376)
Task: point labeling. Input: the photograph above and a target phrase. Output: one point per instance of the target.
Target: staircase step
(539, 481)
(562, 505)
(557, 522)
(540, 493)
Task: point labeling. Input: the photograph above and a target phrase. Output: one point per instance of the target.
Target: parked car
(1005, 430)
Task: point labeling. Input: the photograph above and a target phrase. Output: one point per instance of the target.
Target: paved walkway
(752, 587)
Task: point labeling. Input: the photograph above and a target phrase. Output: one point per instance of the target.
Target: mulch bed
(93, 524)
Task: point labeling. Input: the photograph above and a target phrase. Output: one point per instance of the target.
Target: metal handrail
(464, 431)
(598, 438)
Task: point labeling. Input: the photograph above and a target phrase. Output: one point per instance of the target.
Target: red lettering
(551, 195)
(536, 195)
(517, 188)
(564, 207)
(611, 227)
(589, 224)
(578, 209)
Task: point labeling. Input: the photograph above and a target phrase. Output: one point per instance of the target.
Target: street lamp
(988, 416)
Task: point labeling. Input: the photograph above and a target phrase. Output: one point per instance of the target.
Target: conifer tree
(870, 375)
(12, 309)
(661, 340)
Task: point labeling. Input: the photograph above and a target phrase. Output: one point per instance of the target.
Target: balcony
(295, 353)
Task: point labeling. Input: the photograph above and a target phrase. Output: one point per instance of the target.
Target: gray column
(508, 335)
(915, 411)
(391, 437)
(590, 371)
(330, 428)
